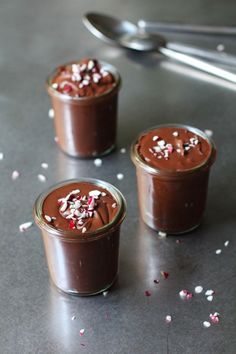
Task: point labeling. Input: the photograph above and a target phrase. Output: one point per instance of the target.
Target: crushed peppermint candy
(25, 226)
(49, 218)
(44, 165)
(214, 318)
(218, 251)
(210, 298)
(206, 324)
(185, 295)
(162, 234)
(97, 162)
(165, 274)
(81, 332)
(220, 47)
(56, 139)
(208, 132)
(147, 293)
(198, 289)
(15, 175)
(168, 319)
(175, 134)
(51, 113)
(77, 208)
(105, 293)
(226, 243)
(1, 156)
(120, 176)
(73, 318)
(209, 292)
(123, 150)
(42, 178)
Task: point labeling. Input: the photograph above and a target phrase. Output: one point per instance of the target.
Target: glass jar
(172, 201)
(82, 264)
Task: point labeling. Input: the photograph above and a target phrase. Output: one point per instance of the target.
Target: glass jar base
(171, 232)
(85, 294)
(92, 156)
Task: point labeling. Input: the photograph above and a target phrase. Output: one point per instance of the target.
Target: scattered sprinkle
(162, 234)
(73, 318)
(185, 295)
(198, 289)
(209, 298)
(81, 332)
(97, 162)
(15, 175)
(56, 139)
(208, 132)
(165, 274)
(51, 113)
(147, 293)
(114, 205)
(178, 242)
(48, 218)
(123, 150)
(168, 319)
(84, 230)
(206, 324)
(1, 156)
(175, 134)
(209, 292)
(226, 243)
(25, 226)
(220, 47)
(105, 293)
(120, 176)
(44, 165)
(42, 178)
(218, 251)
(155, 138)
(156, 281)
(214, 318)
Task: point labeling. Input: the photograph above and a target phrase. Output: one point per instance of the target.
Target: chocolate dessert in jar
(84, 96)
(80, 224)
(172, 166)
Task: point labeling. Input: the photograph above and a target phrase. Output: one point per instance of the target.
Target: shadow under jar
(172, 166)
(84, 96)
(80, 224)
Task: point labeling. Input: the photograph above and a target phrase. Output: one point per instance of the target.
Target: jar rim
(65, 97)
(138, 161)
(70, 235)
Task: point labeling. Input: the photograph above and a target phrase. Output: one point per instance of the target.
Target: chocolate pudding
(173, 164)
(84, 97)
(80, 224)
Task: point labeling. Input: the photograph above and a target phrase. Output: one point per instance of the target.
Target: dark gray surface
(36, 36)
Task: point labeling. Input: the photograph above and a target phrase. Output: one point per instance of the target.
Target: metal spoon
(128, 35)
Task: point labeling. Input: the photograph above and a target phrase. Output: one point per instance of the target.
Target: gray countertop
(35, 37)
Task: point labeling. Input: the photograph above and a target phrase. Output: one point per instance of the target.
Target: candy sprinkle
(185, 295)
(226, 243)
(44, 165)
(162, 234)
(48, 218)
(73, 318)
(218, 251)
(42, 178)
(175, 134)
(209, 292)
(198, 289)
(168, 319)
(15, 175)
(123, 150)
(209, 298)
(51, 113)
(120, 176)
(97, 162)
(208, 132)
(25, 226)
(81, 332)
(1, 156)
(165, 274)
(214, 318)
(147, 293)
(206, 324)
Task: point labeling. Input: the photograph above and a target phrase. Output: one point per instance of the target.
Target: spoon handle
(199, 64)
(218, 57)
(186, 28)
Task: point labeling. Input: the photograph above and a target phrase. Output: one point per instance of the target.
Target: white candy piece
(15, 175)
(97, 162)
(226, 243)
(51, 113)
(168, 318)
(206, 324)
(25, 226)
(44, 165)
(95, 193)
(1, 156)
(123, 150)
(209, 298)
(198, 289)
(208, 132)
(218, 251)
(120, 176)
(42, 178)
(209, 292)
(162, 234)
